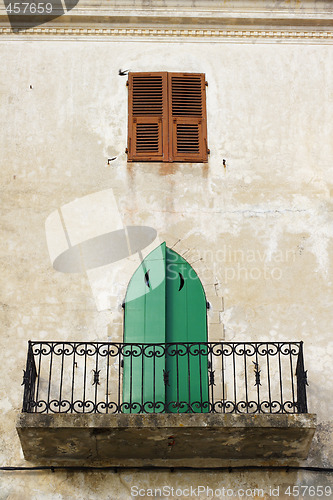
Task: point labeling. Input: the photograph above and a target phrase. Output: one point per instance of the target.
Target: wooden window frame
(181, 137)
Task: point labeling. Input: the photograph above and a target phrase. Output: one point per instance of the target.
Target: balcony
(179, 403)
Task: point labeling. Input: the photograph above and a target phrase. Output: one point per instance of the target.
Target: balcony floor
(163, 439)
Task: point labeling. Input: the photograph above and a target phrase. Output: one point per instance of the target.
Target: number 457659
(29, 8)
(311, 491)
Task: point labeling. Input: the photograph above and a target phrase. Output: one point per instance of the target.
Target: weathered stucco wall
(262, 224)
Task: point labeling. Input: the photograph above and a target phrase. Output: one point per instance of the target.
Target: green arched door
(165, 304)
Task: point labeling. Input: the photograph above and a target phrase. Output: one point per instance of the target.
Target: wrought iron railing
(216, 377)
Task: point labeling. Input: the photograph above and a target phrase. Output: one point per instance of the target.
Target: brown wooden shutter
(147, 117)
(187, 117)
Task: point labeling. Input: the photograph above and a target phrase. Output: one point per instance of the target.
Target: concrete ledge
(168, 439)
(173, 20)
(255, 14)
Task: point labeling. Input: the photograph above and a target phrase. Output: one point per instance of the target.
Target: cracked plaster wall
(259, 230)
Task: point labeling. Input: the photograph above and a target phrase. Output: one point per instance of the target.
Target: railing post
(29, 380)
(301, 376)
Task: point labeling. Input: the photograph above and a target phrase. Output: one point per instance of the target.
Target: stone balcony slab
(164, 439)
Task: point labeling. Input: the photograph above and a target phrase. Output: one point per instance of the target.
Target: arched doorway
(165, 316)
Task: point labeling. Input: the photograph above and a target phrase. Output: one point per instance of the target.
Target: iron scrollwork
(56, 377)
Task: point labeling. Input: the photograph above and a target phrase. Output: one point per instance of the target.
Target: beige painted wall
(262, 226)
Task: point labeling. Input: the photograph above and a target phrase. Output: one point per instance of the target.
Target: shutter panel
(144, 323)
(186, 321)
(147, 117)
(187, 117)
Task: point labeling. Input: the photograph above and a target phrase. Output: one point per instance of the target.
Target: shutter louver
(147, 135)
(188, 140)
(147, 96)
(187, 119)
(186, 95)
(148, 120)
